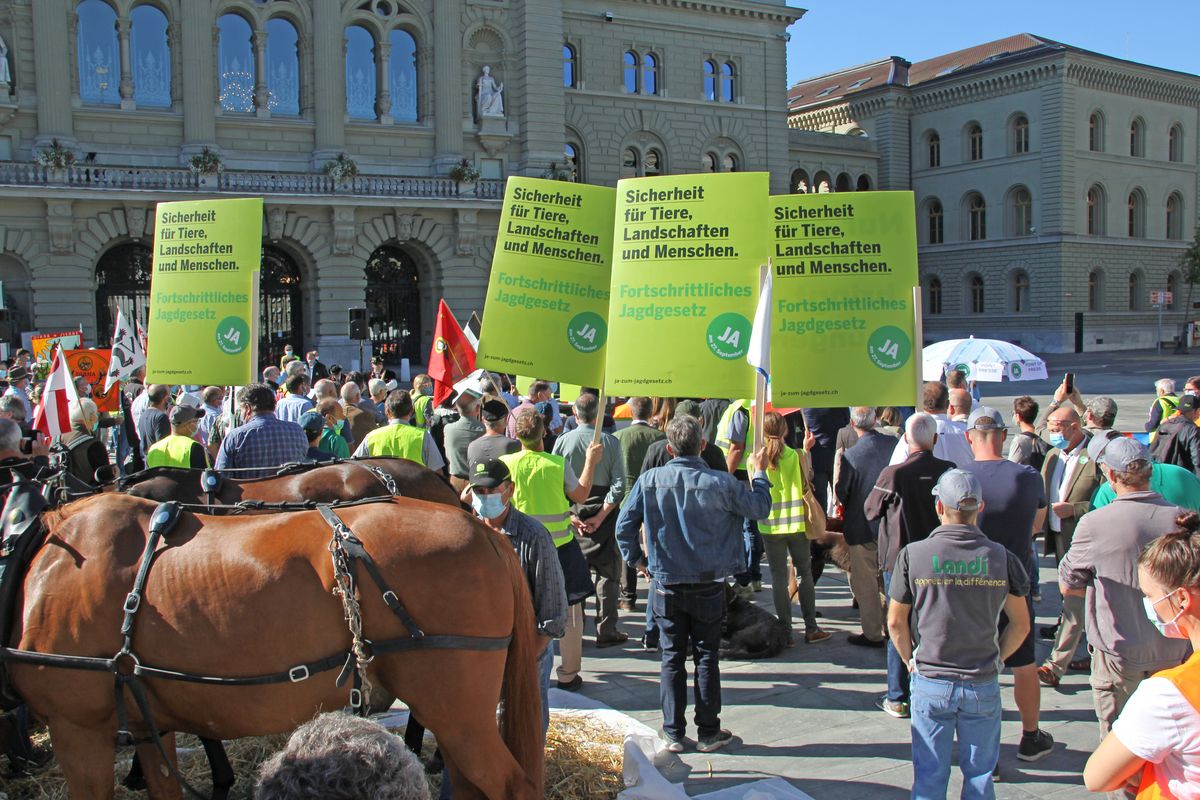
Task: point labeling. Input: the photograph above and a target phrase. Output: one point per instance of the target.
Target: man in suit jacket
(1071, 479)
(316, 370)
(360, 421)
(861, 464)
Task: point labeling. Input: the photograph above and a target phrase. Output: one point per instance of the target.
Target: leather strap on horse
(389, 483)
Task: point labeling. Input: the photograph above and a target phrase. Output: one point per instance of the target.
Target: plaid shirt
(265, 441)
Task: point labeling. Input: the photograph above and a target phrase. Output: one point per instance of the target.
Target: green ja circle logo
(965, 369)
(233, 335)
(729, 336)
(889, 348)
(1016, 371)
(587, 332)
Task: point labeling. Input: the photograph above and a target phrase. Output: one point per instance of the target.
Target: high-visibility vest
(1186, 678)
(538, 481)
(421, 404)
(723, 441)
(171, 451)
(1167, 405)
(400, 440)
(787, 496)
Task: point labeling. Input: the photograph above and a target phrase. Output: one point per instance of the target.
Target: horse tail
(522, 724)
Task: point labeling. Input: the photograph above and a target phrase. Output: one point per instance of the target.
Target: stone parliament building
(137, 92)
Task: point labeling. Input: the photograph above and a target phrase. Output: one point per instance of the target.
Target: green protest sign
(203, 326)
(844, 268)
(547, 299)
(686, 254)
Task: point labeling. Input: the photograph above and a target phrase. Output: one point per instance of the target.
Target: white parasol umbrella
(983, 360)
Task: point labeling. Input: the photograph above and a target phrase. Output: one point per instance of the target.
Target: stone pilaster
(329, 84)
(199, 79)
(538, 63)
(53, 72)
(124, 25)
(447, 68)
(262, 93)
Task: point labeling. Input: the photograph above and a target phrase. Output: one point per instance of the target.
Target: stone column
(383, 87)
(536, 97)
(51, 67)
(447, 99)
(124, 25)
(199, 63)
(262, 93)
(329, 82)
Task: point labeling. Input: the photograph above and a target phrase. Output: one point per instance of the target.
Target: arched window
(649, 74)
(235, 64)
(629, 163)
(708, 162)
(1137, 138)
(571, 161)
(821, 183)
(151, 57)
(1095, 295)
(569, 64)
(360, 73)
(974, 142)
(1175, 143)
(99, 54)
(728, 76)
(1173, 290)
(843, 182)
(976, 218)
(394, 304)
(1020, 134)
(863, 184)
(653, 164)
(710, 80)
(934, 148)
(1020, 292)
(122, 282)
(1175, 216)
(1021, 212)
(283, 67)
(1095, 211)
(935, 222)
(1096, 132)
(729, 163)
(975, 293)
(935, 296)
(800, 183)
(1136, 207)
(402, 75)
(1135, 291)
(631, 72)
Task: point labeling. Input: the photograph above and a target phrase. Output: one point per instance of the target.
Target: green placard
(844, 268)
(686, 253)
(547, 299)
(203, 325)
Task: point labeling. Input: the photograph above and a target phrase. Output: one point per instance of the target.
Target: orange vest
(1186, 678)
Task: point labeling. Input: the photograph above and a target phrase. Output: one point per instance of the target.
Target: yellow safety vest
(538, 481)
(171, 451)
(1168, 404)
(787, 496)
(723, 430)
(421, 404)
(400, 440)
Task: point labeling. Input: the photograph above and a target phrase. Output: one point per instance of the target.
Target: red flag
(53, 414)
(452, 357)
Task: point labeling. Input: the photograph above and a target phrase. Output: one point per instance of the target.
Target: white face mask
(1169, 629)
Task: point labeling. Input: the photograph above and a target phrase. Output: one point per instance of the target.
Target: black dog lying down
(748, 632)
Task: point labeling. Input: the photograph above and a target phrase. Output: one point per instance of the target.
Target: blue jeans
(941, 709)
(690, 613)
(752, 543)
(897, 671)
(1033, 567)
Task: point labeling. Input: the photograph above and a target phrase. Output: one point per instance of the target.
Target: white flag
(127, 352)
(759, 354)
(53, 414)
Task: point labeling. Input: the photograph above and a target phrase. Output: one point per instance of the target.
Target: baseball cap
(181, 414)
(985, 418)
(959, 490)
(488, 473)
(1123, 453)
(312, 422)
(494, 410)
(1099, 442)
(1188, 402)
(687, 407)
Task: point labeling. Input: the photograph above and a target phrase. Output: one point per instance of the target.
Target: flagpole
(760, 380)
(918, 343)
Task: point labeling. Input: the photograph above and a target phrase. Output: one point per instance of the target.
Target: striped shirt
(265, 442)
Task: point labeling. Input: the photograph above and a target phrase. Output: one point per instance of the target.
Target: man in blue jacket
(692, 517)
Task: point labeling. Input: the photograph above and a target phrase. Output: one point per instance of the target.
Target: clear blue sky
(841, 33)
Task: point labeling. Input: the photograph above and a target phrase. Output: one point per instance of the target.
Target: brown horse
(247, 596)
(321, 483)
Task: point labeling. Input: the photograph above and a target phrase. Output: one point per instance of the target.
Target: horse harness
(346, 552)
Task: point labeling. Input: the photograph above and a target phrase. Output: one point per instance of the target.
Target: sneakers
(1035, 746)
(899, 710)
(571, 685)
(714, 742)
(673, 745)
(817, 635)
(862, 641)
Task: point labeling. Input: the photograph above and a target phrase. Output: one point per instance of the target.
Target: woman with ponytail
(1154, 746)
(783, 530)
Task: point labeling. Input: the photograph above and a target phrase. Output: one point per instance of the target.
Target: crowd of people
(942, 510)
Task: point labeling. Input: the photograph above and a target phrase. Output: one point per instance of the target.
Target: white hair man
(378, 390)
(359, 420)
(84, 452)
(1165, 401)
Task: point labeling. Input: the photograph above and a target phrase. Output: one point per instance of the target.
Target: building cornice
(1107, 78)
(984, 87)
(736, 8)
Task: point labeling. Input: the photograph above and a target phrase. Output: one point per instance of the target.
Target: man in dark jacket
(1178, 439)
(861, 465)
(903, 502)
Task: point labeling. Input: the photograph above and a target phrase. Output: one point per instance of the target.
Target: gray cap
(1124, 453)
(959, 490)
(183, 414)
(985, 418)
(1099, 443)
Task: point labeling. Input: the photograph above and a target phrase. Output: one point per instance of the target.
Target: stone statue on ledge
(489, 95)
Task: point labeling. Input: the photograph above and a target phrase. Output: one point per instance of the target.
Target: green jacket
(635, 441)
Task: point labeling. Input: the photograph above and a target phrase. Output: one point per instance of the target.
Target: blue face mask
(1057, 440)
(487, 506)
